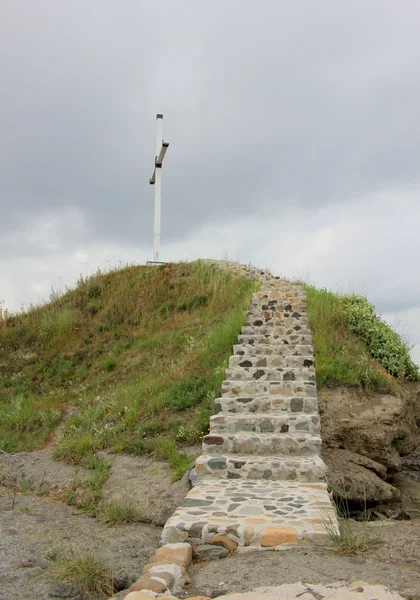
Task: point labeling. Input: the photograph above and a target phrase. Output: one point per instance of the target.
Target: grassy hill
(131, 360)
(353, 346)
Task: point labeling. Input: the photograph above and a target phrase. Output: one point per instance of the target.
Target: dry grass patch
(84, 572)
(117, 512)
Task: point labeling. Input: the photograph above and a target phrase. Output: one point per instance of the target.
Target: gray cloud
(293, 128)
(282, 104)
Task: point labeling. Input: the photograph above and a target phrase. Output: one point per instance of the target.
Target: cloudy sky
(294, 136)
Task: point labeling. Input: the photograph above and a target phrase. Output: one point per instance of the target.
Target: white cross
(156, 180)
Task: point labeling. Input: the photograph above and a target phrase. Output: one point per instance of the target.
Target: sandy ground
(35, 527)
(395, 563)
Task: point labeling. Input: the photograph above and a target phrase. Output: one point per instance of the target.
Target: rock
(138, 596)
(211, 552)
(145, 596)
(147, 582)
(172, 535)
(358, 583)
(274, 536)
(411, 465)
(225, 541)
(182, 575)
(180, 554)
(354, 478)
(369, 425)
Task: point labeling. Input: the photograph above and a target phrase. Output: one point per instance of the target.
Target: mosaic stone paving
(243, 510)
(260, 481)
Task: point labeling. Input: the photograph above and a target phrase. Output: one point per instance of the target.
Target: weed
(73, 449)
(87, 495)
(83, 571)
(187, 434)
(135, 446)
(94, 289)
(179, 461)
(399, 445)
(109, 363)
(346, 539)
(24, 423)
(116, 512)
(194, 302)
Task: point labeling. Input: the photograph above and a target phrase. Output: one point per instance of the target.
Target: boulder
(357, 480)
(378, 426)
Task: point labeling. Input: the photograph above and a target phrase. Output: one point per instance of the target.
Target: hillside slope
(131, 361)
(368, 398)
(124, 357)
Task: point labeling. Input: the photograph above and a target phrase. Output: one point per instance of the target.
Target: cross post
(156, 180)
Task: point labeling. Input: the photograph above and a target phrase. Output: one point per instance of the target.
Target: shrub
(94, 289)
(384, 343)
(187, 434)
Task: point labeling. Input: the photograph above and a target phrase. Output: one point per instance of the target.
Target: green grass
(87, 495)
(84, 572)
(342, 357)
(347, 540)
(140, 352)
(117, 512)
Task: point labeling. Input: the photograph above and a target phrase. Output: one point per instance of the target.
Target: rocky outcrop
(357, 480)
(364, 437)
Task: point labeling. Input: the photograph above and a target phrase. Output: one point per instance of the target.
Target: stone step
(275, 333)
(279, 444)
(254, 514)
(282, 292)
(269, 388)
(274, 340)
(264, 404)
(260, 307)
(279, 468)
(275, 327)
(268, 423)
(271, 362)
(276, 320)
(291, 374)
(288, 333)
(267, 350)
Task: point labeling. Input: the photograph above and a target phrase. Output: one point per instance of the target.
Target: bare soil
(395, 564)
(35, 526)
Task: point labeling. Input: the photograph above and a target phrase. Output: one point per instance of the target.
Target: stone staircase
(260, 481)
